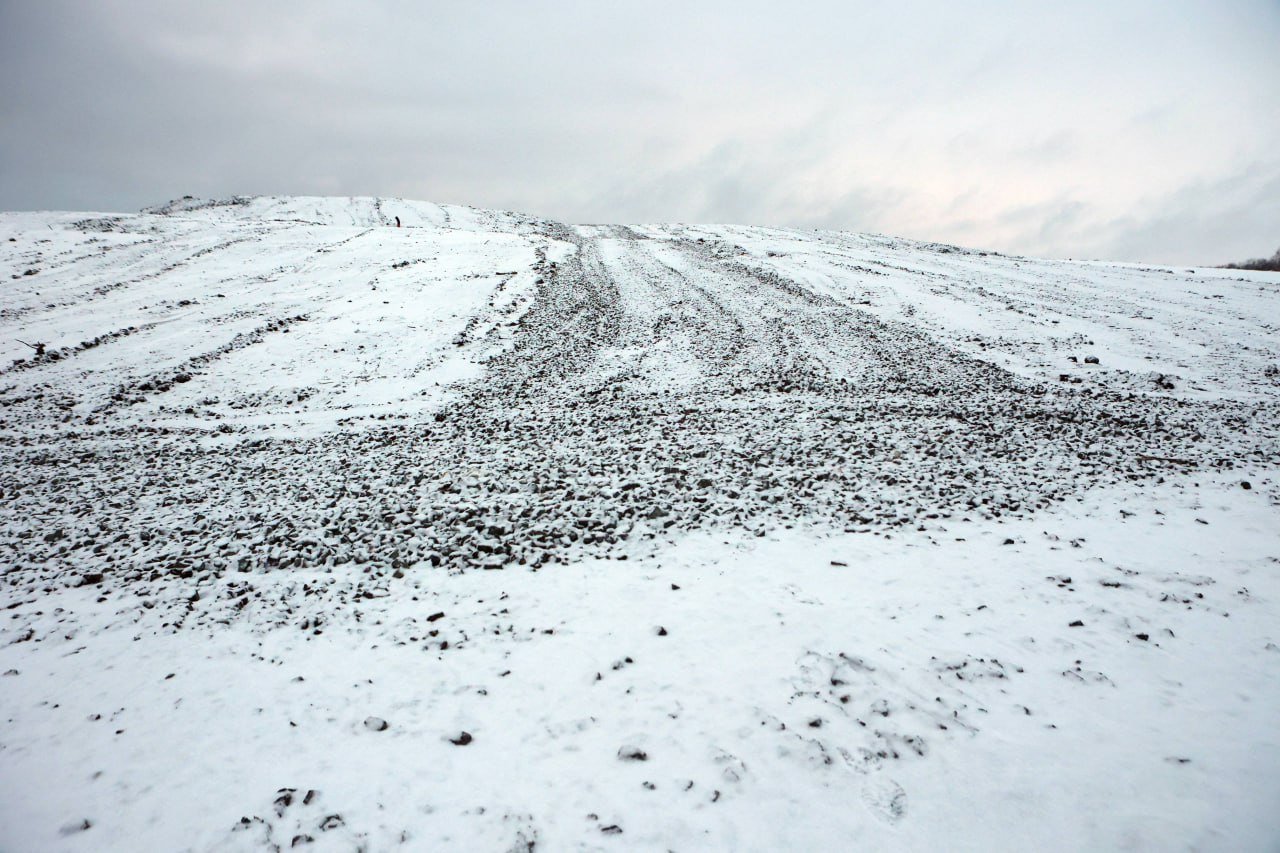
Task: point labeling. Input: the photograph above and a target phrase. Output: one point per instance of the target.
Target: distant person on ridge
(397, 221)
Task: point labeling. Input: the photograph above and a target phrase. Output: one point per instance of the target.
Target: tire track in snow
(771, 405)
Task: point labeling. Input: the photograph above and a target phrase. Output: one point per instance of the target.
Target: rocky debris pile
(803, 410)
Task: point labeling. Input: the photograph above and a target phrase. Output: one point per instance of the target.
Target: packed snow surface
(488, 532)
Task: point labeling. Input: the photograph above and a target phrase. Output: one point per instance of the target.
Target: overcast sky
(1127, 130)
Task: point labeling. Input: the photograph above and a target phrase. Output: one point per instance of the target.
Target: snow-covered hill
(705, 537)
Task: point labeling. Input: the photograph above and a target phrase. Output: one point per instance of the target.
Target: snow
(373, 315)
(828, 555)
(1214, 328)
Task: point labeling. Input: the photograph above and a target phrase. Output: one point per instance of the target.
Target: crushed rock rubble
(803, 409)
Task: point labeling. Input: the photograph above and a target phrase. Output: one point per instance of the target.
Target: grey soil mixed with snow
(491, 532)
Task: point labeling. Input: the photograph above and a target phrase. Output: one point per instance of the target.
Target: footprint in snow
(884, 798)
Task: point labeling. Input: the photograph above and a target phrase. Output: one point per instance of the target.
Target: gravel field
(492, 532)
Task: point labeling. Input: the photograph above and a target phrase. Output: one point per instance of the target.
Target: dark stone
(79, 826)
(1076, 624)
(461, 740)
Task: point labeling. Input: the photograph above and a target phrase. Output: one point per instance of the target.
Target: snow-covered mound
(282, 312)
(923, 546)
(363, 212)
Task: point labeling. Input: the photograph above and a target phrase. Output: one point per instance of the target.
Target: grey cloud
(1210, 222)
(858, 209)
(1206, 222)
(1017, 128)
(1053, 147)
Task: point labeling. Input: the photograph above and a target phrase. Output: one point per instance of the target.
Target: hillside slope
(818, 519)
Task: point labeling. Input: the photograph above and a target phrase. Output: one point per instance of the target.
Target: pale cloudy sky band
(1127, 130)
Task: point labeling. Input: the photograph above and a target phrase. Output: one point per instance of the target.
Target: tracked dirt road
(251, 485)
(657, 383)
